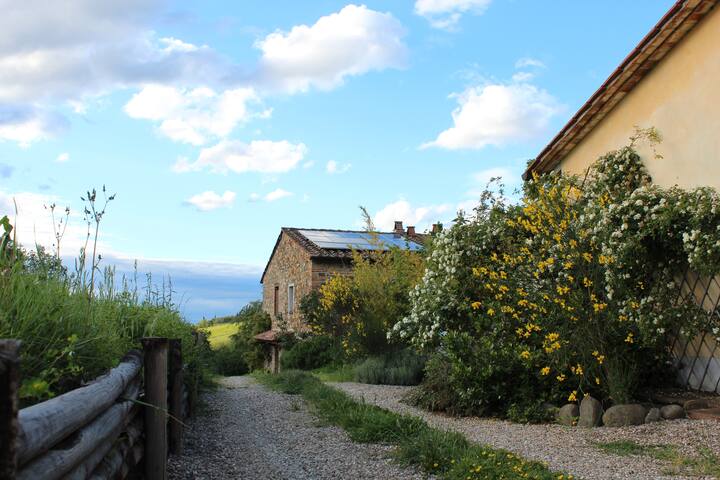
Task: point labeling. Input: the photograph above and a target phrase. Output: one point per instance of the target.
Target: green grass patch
(705, 463)
(335, 373)
(448, 455)
(219, 335)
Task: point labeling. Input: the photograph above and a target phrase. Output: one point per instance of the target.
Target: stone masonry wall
(290, 265)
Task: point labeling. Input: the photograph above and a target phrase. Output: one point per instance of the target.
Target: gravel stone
(564, 448)
(249, 432)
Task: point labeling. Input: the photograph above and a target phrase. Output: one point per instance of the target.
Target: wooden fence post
(156, 375)
(9, 385)
(176, 396)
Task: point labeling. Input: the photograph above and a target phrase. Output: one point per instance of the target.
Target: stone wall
(290, 265)
(324, 269)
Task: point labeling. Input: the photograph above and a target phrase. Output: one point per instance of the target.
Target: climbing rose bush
(570, 292)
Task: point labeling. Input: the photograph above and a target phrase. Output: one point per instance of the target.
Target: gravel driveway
(248, 432)
(563, 448)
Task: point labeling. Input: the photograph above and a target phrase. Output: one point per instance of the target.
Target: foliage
(571, 292)
(242, 353)
(67, 339)
(361, 309)
(220, 334)
(704, 464)
(404, 367)
(446, 455)
(311, 353)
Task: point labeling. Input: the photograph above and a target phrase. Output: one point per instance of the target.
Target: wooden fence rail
(124, 421)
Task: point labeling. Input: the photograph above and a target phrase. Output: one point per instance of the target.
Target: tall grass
(69, 334)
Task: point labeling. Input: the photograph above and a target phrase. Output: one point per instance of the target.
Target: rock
(624, 415)
(696, 404)
(704, 414)
(590, 412)
(568, 414)
(672, 412)
(653, 416)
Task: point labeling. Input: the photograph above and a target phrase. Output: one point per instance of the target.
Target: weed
(705, 463)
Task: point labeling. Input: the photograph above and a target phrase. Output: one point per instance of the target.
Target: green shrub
(311, 353)
(229, 360)
(399, 368)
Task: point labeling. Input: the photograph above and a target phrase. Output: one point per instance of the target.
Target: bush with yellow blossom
(570, 292)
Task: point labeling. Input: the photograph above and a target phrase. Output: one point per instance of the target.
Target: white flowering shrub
(570, 292)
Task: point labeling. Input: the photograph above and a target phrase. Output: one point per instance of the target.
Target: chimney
(398, 227)
(437, 228)
(410, 231)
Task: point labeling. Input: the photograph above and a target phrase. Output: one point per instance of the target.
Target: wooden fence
(123, 423)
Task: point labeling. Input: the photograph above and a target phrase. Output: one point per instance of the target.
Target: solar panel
(359, 240)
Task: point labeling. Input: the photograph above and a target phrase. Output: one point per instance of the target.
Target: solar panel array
(359, 240)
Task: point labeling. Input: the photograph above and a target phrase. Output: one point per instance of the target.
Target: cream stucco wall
(681, 98)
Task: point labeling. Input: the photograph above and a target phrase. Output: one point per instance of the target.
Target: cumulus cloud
(210, 200)
(263, 156)
(420, 217)
(350, 42)
(495, 114)
(26, 124)
(63, 157)
(194, 115)
(445, 14)
(332, 167)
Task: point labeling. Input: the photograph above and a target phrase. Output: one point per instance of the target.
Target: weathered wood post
(9, 385)
(176, 396)
(156, 375)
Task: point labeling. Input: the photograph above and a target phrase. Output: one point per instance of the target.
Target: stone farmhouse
(303, 259)
(670, 82)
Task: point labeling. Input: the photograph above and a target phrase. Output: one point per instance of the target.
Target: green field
(219, 335)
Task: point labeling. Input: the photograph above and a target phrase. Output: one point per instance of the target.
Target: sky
(216, 123)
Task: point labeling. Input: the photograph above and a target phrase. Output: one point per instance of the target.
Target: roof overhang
(667, 33)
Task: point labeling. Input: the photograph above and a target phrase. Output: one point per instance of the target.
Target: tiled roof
(269, 336)
(316, 251)
(668, 32)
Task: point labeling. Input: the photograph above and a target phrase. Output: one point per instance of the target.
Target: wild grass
(447, 455)
(219, 335)
(705, 463)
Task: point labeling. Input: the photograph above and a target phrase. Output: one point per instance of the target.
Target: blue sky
(216, 123)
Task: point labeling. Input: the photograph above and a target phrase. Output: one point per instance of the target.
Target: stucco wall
(290, 265)
(681, 98)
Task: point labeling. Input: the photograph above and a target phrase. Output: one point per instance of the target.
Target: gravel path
(248, 432)
(563, 448)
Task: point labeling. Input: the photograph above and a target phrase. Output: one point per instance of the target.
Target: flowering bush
(570, 292)
(359, 310)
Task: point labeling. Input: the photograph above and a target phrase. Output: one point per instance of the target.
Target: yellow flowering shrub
(569, 292)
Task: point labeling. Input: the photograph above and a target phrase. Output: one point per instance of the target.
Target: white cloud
(332, 167)
(263, 156)
(529, 62)
(420, 217)
(277, 194)
(522, 77)
(308, 164)
(194, 115)
(34, 226)
(353, 41)
(210, 200)
(63, 157)
(445, 14)
(495, 114)
(28, 124)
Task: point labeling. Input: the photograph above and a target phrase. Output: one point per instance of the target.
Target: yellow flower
(587, 257)
(573, 396)
(544, 371)
(562, 290)
(552, 336)
(490, 312)
(560, 378)
(599, 307)
(597, 380)
(587, 282)
(629, 338)
(476, 305)
(578, 370)
(600, 359)
(525, 354)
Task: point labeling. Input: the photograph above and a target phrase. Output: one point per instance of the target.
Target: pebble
(568, 449)
(249, 432)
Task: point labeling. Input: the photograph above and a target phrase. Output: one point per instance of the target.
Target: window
(291, 299)
(275, 300)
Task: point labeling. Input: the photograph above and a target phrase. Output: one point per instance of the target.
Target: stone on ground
(624, 415)
(568, 414)
(590, 412)
(653, 416)
(672, 412)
